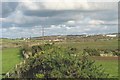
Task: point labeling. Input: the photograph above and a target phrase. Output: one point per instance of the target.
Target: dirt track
(105, 58)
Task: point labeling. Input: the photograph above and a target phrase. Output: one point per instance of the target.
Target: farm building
(111, 35)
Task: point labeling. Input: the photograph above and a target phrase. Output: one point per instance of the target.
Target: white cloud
(30, 5)
(54, 27)
(71, 22)
(65, 5)
(2, 19)
(5, 20)
(87, 29)
(12, 28)
(96, 22)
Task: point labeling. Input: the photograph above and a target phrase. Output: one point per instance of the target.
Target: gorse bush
(97, 52)
(57, 62)
(31, 51)
(91, 52)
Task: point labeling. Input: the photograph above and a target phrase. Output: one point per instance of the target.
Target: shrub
(91, 52)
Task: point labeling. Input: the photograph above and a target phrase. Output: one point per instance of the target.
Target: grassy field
(112, 44)
(110, 66)
(10, 57)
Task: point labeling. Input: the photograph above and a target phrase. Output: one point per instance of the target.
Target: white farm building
(111, 35)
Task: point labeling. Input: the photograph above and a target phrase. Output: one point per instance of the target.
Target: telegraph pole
(43, 32)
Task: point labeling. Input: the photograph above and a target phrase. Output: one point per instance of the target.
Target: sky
(25, 19)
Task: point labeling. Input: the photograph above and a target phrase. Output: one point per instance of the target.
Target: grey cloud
(107, 15)
(8, 8)
(43, 13)
(50, 13)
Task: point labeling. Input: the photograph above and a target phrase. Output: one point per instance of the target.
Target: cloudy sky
(25, 19)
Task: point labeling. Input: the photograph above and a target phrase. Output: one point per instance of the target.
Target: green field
(10, 57)
(112, 44)
(110, 66)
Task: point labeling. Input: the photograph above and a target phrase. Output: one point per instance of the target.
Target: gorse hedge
(58, 62)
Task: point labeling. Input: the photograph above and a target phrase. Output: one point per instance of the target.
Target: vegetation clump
(57, 62)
